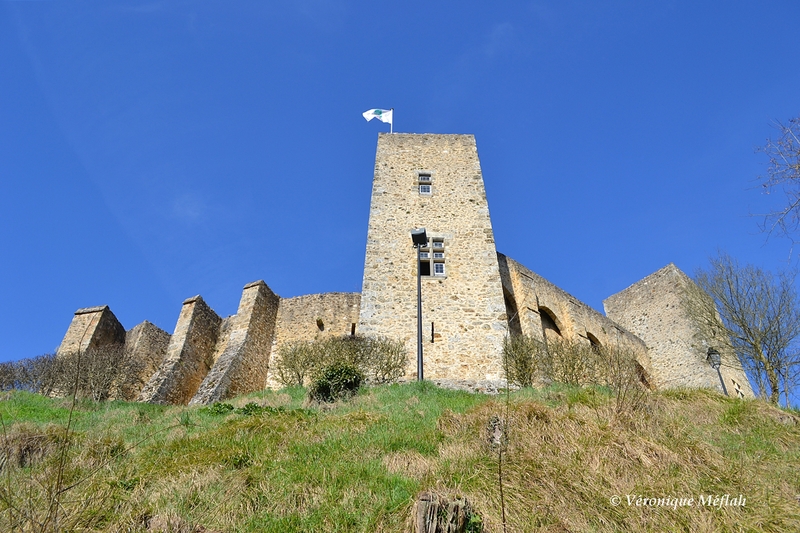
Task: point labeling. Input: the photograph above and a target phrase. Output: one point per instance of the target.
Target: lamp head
(713, 358)
(419, 237)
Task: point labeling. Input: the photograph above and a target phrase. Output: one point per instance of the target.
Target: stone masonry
(473, 297)
(653, 309)
(146, 347)
(311, 317)
(242, 365)
(91, 327)
(464, 316)
(190, 355)
(530, 297)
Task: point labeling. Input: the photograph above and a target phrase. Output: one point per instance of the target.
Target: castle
(472, 298)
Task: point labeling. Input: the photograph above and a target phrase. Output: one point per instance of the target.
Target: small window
(424, 182)
(425, 268)
(431, 263)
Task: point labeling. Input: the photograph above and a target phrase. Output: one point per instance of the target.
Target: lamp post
(420, 238)
(715, 361)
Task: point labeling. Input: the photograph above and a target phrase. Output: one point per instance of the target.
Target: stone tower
(435, 182)
(654, 309)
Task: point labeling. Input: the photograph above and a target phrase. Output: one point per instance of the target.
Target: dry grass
(564, 465)
(358, 466)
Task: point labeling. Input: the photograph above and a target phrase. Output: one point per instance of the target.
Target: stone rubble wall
(464, 316)
(145, 349)
(527, 294)
(466, 313)
(242, 367)
(189, 355)
(312, 317)
(653, 309)
(91, 327)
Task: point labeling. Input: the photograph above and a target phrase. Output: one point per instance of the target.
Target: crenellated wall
(209, 358)
(472, 298)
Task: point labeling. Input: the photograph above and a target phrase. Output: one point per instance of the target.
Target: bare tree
(98, 373)
(35, 374)
(8, 376)
(783, 174)
(759, 312)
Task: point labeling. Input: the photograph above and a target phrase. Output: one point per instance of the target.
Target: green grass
(272, 463)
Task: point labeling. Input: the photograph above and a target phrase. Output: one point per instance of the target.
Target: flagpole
(391, 124)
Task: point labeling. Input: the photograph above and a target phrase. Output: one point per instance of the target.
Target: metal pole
(715, 360)
(722, 382)
(420, 375)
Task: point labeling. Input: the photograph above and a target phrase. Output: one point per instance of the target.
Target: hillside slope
(680, 461)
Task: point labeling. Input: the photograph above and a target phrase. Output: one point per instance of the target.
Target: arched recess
(594, 342)
(550, 324)
(514, 325)
(644, 378)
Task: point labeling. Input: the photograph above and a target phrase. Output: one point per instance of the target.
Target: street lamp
(420, 238)
(715, 361)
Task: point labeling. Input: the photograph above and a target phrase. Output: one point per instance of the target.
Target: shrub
(250, 409)
(98, 373)
(626, 378)
(337, 381)
(528, 361)
(220, 408)
(521, 355)
(379, 359)
(573, 363)
(295, 361)
(384, 359)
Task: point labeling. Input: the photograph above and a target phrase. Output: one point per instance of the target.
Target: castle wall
(529, 295)
(313, 316)
(91, 327)
(242, 365)
(145, 350)
(472, 297)
(653, 309)
(464, 316)
(189, 356)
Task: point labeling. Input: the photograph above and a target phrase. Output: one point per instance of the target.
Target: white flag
(384, 115)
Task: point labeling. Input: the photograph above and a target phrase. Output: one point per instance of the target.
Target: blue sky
(151, 151)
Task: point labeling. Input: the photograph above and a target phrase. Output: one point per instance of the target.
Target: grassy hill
(571, 461)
